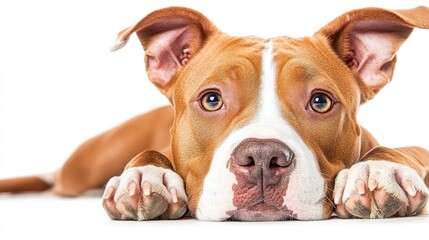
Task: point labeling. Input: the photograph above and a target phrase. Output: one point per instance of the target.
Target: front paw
(144, 193)
(379, 189)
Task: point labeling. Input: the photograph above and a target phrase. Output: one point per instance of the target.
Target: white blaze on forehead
(304, 196)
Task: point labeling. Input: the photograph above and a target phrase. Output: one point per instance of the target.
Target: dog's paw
(379, 189)
(144, 193)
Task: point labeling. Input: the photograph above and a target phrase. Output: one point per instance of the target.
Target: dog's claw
(360, 185)
(146, 188)
(372, 184)
(132, 189)
(409, 187)
(173, 193)
(108, 193)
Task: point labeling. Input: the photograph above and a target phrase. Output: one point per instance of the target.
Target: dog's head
(262, 126)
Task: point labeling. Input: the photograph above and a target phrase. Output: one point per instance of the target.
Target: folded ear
(367, 41)
(170, 38)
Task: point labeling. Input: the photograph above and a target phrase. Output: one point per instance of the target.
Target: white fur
(161, 181)
(306, 186)
(47, 178)
(118, 44)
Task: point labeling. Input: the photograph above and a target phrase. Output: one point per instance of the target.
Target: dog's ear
(367, 41)
(170, 38)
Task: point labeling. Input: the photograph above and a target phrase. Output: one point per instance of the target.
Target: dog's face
(262, 126)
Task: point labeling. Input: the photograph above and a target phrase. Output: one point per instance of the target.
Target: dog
(258, 129)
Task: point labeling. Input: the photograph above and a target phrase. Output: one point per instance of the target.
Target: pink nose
(263, 160)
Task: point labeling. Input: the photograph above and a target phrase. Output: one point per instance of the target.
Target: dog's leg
(147, 189)
(386, 182)
(106, 155)
(102, 157)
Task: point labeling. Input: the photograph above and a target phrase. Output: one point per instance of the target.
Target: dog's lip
(262, 206)
(258, 208)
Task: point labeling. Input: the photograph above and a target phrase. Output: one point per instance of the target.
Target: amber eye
(211, 101)
(320, 103)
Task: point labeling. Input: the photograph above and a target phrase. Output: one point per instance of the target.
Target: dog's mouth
(261, 211)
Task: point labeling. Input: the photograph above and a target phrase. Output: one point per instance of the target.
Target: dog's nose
(267, 160)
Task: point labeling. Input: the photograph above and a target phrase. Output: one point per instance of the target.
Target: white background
(60, 85)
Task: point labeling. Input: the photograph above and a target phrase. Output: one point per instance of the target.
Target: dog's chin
(260, 212)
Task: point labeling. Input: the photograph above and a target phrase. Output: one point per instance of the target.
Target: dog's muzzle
(262, 168)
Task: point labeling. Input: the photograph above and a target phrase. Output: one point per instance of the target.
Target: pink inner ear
(371, 52)
(165, 52)
(373, 45)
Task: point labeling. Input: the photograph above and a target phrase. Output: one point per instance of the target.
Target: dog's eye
(320, 103)
(211, 101)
